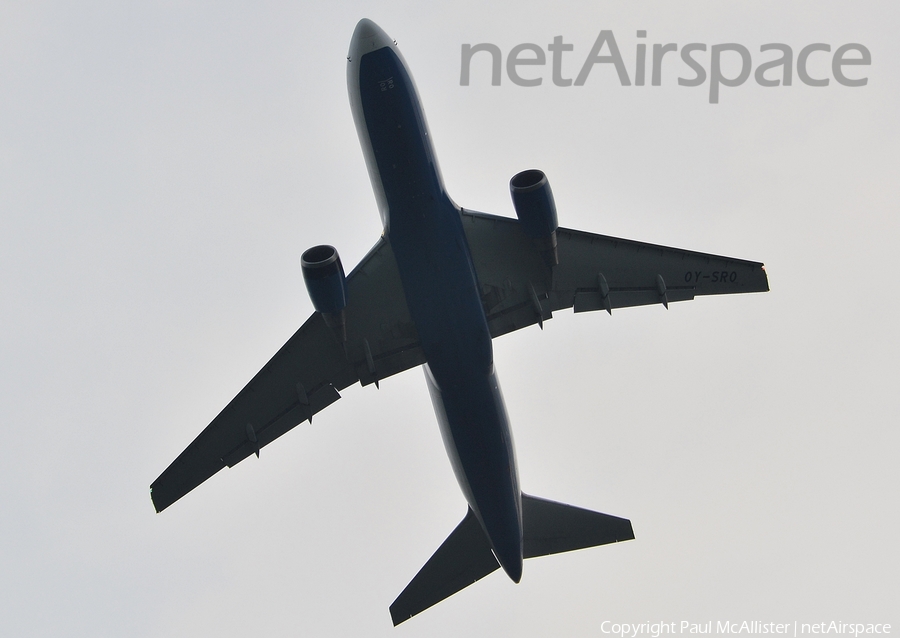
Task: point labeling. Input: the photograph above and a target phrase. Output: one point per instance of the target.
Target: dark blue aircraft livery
(438, 285)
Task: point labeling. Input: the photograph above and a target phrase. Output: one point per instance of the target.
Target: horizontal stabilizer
(464, 558)
(551, 528)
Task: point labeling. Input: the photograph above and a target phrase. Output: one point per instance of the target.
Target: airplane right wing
(305, 376)
(595, 272)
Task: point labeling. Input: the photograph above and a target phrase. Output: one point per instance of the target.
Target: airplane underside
(436, 288)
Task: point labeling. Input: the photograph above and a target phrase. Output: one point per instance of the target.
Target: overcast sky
(164, 164)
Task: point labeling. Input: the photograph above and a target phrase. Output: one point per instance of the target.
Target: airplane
(440, 283)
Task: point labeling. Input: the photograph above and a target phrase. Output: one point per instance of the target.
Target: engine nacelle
(326, 284)
(536, 210)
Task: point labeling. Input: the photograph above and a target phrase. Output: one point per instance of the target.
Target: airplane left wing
(305, 376)
(595, 272)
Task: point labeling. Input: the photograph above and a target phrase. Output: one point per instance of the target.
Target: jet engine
(327, 285)
(536, 210)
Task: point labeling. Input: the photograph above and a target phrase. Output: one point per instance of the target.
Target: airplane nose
(365, 28)
(367, 37)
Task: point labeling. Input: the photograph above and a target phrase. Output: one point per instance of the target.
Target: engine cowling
(323, 274)
(536, 210)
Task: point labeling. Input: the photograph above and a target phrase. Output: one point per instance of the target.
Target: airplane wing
(595, 272)
(305, 376)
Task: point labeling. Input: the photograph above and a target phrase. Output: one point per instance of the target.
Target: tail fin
(466, 556)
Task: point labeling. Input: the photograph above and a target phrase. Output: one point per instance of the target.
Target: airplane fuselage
(424, 228)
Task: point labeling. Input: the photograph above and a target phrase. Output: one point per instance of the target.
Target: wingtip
(152, 500)
(398, 619)
(159, 503)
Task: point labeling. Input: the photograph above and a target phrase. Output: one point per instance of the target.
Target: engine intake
(326, 284)
(536, 210)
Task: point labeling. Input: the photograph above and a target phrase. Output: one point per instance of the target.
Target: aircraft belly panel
(441, 289)
(476, 433)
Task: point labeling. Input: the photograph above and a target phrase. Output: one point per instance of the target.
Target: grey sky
(163, 166)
